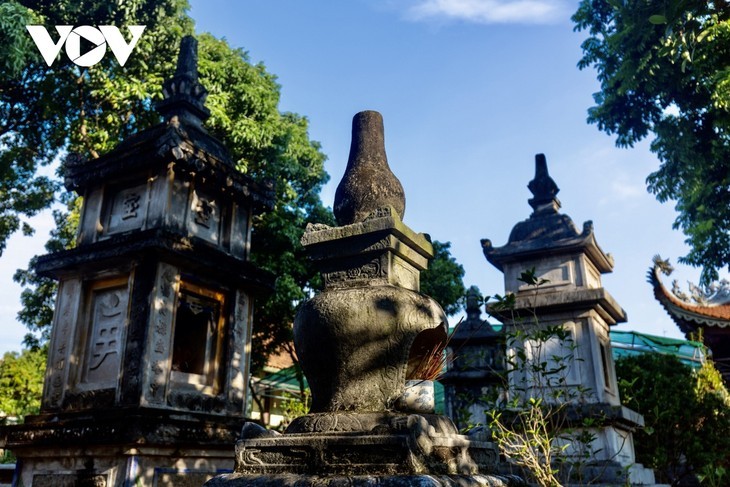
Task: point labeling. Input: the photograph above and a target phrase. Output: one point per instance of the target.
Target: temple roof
(688, 315)
(547, 231)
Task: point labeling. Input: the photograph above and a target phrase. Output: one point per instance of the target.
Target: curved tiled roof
(688, 316)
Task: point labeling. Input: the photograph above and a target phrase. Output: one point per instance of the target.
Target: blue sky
(470, 91)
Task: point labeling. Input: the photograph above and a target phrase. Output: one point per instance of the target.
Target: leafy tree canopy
(21, 384)
(443, 280)
(664, 68)
(687, 416)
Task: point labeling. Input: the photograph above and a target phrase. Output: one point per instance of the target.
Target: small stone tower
(571, 263)
(476, 361)
(149, 351)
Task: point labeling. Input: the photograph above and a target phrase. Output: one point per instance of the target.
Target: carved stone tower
(572, 297)
(358, 341)
(149, 351)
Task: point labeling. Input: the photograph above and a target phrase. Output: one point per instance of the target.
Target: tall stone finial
(368, 183)
(543, 188)
(184, 96)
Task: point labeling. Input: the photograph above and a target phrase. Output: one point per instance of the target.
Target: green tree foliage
(687, 415)
(664, 68)
(21, 384)
(92, 109)
(22, 192)
(39, 293)
(443, 280)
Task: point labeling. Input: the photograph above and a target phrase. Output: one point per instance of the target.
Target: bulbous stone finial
(543, 188)
(368, 183)
(184, 96)
(474, 302)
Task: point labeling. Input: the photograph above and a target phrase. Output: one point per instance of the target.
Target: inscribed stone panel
(127, 209)
(108, 315)
(204, 218)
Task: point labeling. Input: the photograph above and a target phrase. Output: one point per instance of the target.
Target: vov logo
(98, 36)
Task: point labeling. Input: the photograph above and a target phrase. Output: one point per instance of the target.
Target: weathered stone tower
(149, 351)
(572, 297)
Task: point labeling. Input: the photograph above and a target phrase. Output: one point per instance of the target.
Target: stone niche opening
(428, 345)
(199, 330)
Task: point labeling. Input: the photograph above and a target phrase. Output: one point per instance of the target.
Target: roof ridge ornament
(183, 95)
(543, 188)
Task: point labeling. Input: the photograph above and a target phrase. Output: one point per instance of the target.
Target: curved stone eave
(584, 242)
(187, 147)
(192, 252)
(596, 299)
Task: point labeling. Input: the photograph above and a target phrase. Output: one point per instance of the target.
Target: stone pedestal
(123, 447)
(387, 448)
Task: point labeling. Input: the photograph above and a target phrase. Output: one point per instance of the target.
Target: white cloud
(490, 11)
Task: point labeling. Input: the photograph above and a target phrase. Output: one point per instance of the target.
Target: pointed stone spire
(368, 183)
(543, 188)
(184, 96)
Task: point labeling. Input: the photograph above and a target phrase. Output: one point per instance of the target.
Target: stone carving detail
(90, 398)
(334, 422)
(69, 292)
(715, 294)
(203, 212)
(161, 316)
(382, 212)
(371, 270)
(238, 367)
(204, 216)
(69, 480)
(387, 443)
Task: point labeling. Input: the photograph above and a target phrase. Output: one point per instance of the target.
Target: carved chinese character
(108, 320)
(130, 205)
